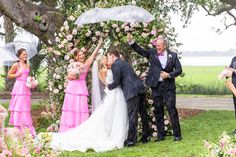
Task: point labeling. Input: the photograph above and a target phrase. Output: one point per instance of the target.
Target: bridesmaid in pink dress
(20, 105)
(75, 106)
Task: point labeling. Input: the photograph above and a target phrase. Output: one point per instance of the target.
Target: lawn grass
(207, 125)
(201, 80)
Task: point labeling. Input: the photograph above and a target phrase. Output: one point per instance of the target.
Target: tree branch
(40, 20)
(2, 34)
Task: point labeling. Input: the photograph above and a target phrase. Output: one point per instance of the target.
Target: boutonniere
(169, 56)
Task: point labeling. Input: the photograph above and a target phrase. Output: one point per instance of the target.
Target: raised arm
(116, 72)
(136, 47)
(90, 60)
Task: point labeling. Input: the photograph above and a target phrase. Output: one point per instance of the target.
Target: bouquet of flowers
(226, 73)
(31, 82)
(76, 68)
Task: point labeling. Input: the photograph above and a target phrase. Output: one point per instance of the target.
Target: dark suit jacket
(233, 65)
(173, 67)
(124, 75)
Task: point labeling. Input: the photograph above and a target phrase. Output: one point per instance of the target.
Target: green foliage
(201, 80)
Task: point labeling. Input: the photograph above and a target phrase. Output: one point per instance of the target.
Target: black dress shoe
(159, 139)
(179, 138)
(145, 140)
(129, 143)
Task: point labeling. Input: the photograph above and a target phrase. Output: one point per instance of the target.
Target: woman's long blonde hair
(101, 66)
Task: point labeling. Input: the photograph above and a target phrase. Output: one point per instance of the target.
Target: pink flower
(154, 32)
(38, 149)
(69, 37)
(7, 152)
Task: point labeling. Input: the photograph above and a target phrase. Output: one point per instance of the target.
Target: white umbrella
(7, 58)
(14, 46)
(128, 13)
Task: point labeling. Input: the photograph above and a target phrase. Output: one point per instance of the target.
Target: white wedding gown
(105, 130)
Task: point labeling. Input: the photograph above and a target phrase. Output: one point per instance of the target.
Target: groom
(132, 86)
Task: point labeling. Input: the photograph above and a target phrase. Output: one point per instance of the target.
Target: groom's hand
(164, 75)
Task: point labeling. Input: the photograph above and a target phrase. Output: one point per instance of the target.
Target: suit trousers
(167, 97)
(146, 130)
(234, 98)
(132, 105)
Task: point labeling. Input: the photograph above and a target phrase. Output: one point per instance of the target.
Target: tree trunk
(9, 37)
(41, 20)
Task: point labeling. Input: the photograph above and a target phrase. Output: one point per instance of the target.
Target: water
(206, 61)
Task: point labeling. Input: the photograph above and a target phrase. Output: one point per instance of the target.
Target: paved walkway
(204, 103)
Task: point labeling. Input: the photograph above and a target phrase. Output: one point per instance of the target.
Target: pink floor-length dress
(75, 107)
(20, 104)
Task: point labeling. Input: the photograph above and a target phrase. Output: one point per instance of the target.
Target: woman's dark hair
(19, 52)
(114, 52)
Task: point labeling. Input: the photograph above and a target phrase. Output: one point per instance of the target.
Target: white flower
(64, 41)
(60, 35)
(114, 25)
(150, 101)
(97, 33)
(126, 28)
(166, 128)
(57, 40)
(71, 60)
(69, 37)
(72, 18)
(132, 24)
(144, 35)
(62, 29)
(67, 57)
(169, 56)
(57, 53)
(133, 2)
(102, 24)
(166, 122)
(60, 86)
(74, 32)
(79, 6)
(83, 49)
(94, 39)
(65, 23)
(150, 45)
(107, 31)
(138, 73)
(67, 28)
(60, 46)
(49, 41)
(117, 29)
(154, 134)
(58, 76)
(88, 33)
(145, 24)
(56, 91)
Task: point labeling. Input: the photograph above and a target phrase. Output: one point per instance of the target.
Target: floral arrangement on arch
(72, 36)
(226, 146)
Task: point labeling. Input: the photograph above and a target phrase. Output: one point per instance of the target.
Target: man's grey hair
(165, 41)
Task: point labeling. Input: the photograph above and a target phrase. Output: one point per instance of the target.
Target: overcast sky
(200, 35)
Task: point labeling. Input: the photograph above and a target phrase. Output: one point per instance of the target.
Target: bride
(105, 130)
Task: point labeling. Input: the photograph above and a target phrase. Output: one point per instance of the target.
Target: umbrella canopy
(16, 45)
(127, 13)
(7, 58)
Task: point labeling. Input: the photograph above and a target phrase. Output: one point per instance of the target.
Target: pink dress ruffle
(20, 104)
(75, 107)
